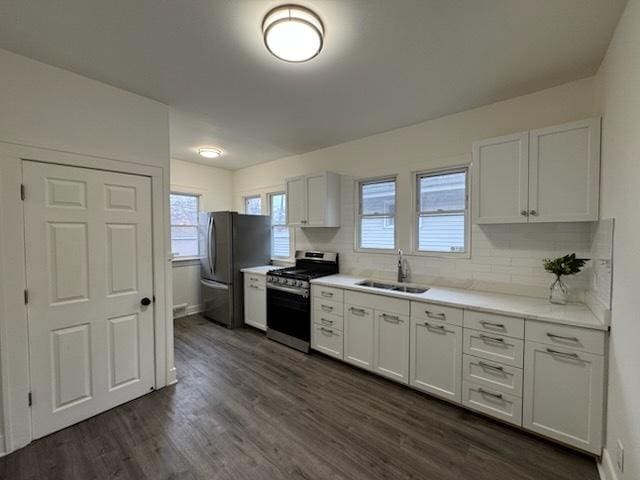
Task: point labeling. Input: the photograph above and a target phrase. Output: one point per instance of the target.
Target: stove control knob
(299, 283)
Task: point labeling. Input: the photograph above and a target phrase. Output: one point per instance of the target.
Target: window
(184, 224)
(280, 233)
(377, 214)
(253, 205)
(442, 211)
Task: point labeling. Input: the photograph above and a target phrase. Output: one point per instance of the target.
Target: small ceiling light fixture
(293, 33)
(209, 152)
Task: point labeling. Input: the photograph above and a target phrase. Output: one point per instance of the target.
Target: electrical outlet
(620, 456)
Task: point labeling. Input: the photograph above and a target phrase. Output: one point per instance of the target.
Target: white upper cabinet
(564, 172)
(546, 175)
(501, 179)
(314, 200)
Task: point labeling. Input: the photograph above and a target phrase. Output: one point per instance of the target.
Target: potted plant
(567, 265)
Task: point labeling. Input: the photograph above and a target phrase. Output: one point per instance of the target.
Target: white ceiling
(385, 63)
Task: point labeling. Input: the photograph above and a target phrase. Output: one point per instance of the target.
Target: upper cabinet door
(316, 199)
(564, 172)
(500, 179)
(296, 201)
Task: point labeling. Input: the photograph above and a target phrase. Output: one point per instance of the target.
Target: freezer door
(217, 299)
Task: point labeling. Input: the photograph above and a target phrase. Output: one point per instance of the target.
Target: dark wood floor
(248, 408)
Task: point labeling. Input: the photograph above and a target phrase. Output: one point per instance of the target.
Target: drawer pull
(495, 339)
(326, 294)
(492, 325)
(326, 330)
(571, 339)
(358, 311)
(493, 367)
(254, 286)
(326, 320)
(438, 316)
(391, 317)
(563, 354)
(254, 279)
(436, 327)
(327, 308)
(491, 394)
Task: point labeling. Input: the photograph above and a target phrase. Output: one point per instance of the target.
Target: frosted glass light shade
(293, 33)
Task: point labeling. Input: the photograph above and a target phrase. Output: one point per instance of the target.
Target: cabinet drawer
(491, 323)
(492, 402)
(255, 279)
(378, 302)
(584, 339)
(428, 311)
(327, 319)
(327, 340)
(250, 284)
(494, 347)
(494, 376)
(328, 306)
(327, 293)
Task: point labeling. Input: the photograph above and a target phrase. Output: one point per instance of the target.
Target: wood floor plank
(249, 408)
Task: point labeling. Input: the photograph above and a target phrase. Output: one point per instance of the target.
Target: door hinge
(26, 296)
(22, 192)
(30, 399)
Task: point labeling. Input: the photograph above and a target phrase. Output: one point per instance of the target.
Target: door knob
(533, 212)
(145, 302)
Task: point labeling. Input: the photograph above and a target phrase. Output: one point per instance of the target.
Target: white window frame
(178, 258)
(358, 214)
(291, 230)
(415, 223)
(249, 197)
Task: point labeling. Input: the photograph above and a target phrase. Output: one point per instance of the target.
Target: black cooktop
(300, 273)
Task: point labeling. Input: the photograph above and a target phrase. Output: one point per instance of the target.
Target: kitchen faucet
(402, 272)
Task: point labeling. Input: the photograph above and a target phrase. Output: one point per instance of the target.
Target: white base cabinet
(255, 300)
(391, 341)
(358, 336)
(563, 395)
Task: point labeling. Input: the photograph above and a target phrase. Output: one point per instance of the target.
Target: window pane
(184, 241)
(443, 192)
(378, 198)
(280, 241)
(253, 206)
(441, 233)
(278, 209)
(377, 232)
(184, 209)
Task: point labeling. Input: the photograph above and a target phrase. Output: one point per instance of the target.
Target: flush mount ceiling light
(293, 33)
(209, 152)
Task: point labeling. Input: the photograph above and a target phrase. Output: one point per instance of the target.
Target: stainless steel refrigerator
(229, 242)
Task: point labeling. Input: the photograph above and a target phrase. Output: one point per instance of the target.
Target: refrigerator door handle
(212, 245)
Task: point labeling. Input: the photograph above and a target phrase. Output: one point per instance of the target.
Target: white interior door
(89, 265)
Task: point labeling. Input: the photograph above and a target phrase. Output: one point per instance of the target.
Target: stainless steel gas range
(289, 299)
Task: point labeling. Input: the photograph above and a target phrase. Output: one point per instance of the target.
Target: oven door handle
(295, 291)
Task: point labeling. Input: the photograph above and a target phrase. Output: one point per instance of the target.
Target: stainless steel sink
(392, 286)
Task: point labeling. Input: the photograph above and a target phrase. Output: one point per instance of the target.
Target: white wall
(214, 185)
(618, 98)
(505, 258)
(50, 108)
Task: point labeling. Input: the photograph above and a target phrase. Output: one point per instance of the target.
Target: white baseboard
(172, 376)
(189, 310)
(606, 467)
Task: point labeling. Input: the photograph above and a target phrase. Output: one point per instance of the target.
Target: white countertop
(260, 270)
(576, 314)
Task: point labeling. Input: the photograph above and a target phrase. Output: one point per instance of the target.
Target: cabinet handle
(326, 294)
(253, 279)
(490, 324)
(491, 394)
(359, 311)
(524, 213)
(324, 320)
(327, 308)
(495, 339)
(326, 330)
(564, 354)
(391, 317)
(533, 212)
(571, 339)
(493, 367)
(430, 314)
(254, 286)
(436, 327)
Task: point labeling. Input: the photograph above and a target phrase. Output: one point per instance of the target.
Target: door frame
(15, 381)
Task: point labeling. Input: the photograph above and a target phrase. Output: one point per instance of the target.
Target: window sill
(388, 251)
(419, 253)
(185, 261)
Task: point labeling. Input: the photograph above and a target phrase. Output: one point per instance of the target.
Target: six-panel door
(89, 266)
